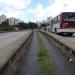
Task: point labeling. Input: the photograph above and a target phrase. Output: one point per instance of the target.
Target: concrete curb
(10, 50)
(63, 44)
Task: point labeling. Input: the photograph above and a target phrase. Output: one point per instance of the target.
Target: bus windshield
(69, 16)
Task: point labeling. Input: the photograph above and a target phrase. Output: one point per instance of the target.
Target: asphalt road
(7, 38)
(9, 43)
(61, 66)
(29, 64)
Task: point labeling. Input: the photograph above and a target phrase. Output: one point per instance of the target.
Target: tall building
(2, 18)
(13, 21)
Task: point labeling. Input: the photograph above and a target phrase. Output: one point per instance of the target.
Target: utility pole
(65, 7)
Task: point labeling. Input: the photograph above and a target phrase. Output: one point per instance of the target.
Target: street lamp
(65, 7)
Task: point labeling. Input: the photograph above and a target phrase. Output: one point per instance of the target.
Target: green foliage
(5, 27)
(30, 25)
(44, 59)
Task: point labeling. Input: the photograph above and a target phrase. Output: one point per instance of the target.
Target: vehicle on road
(63, 23)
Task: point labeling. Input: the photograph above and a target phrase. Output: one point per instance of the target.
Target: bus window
(59, 18)
(69, 16)
(52, 23)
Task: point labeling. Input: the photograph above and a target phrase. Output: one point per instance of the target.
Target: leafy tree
(5, 26)
(29, 25)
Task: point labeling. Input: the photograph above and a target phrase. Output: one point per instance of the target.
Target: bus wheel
(69, 34)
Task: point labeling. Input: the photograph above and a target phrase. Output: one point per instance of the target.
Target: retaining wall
(8, 52)
(67, 47)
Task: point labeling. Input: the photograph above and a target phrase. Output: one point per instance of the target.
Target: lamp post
(65, 7)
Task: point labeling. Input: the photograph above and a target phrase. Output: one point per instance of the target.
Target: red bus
(63, 23)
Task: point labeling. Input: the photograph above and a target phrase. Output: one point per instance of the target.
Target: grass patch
(44, 59)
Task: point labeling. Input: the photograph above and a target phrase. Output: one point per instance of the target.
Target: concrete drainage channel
(10, 67)
(69, 52)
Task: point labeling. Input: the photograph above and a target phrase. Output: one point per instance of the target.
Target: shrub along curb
(44, 59)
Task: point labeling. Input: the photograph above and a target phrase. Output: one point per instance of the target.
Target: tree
(30, 25)
(22, 25)
(5, 26)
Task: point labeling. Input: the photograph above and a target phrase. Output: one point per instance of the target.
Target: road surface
(7, 38)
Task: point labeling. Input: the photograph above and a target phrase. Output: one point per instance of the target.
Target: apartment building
(2, 18)
(13, 21)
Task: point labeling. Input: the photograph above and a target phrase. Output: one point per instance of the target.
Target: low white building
(2, 18)
(48, 20)
(39, 24)
(48, 23)
(17, 21)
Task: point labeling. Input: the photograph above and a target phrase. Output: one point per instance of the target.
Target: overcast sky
(35, 10)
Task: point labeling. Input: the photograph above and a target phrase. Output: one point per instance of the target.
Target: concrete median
(9, 50)
(66, 45)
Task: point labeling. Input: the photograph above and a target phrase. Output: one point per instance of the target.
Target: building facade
(13, 21)
(2, 18)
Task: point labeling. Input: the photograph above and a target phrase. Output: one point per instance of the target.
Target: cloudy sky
(35, 10)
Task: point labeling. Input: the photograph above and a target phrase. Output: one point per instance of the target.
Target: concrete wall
(8, 51)
(67, 46)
